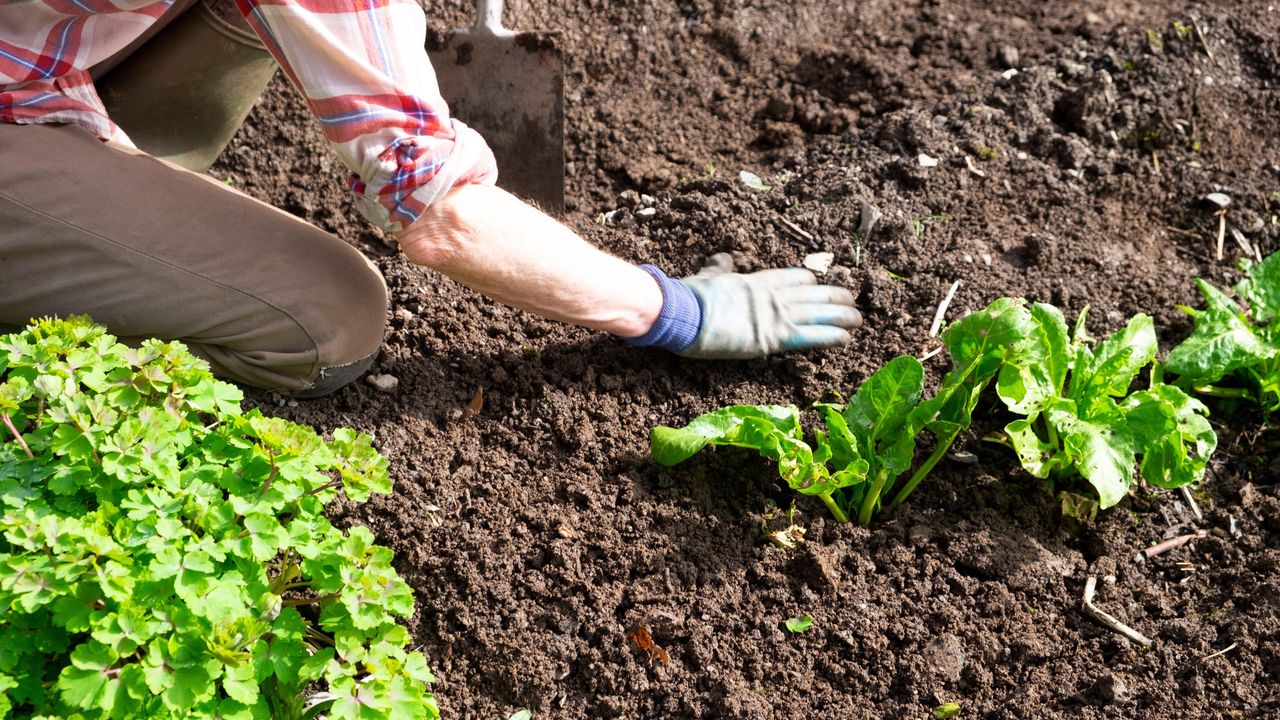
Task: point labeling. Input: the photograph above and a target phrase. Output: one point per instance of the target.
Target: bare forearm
(489, 240)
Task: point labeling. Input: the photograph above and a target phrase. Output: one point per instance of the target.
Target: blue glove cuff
(680, 319)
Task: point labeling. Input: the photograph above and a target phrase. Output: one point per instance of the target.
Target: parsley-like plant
(165, 555)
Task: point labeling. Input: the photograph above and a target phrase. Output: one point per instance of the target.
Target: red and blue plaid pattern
(361, 64)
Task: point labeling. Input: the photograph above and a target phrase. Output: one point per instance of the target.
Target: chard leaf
(883, 401)
(1100, 447)
(838, 441)
(1078, 506)
(1116, 361)
(670, 446)
(1174, 433)
(978, 344)
(1261, 288)
(1038, 456)
(982, 338)
(878, 412)
(1223, 341)
(1038, 368)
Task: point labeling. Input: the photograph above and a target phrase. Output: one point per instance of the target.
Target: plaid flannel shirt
(361, 64)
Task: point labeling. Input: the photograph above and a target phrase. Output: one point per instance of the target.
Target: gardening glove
(720, 314)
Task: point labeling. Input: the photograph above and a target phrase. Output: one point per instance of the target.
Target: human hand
(765, 312)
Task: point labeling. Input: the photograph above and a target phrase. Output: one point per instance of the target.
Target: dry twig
(1173, 543)
(1203, 43)
(942, 309)
(1222, 231)
(795, 229)
(1220, 653)
(1106, 619)
(1191, 501)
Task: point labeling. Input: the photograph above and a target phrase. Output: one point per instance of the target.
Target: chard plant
(1079, 417)
(869, 443)
(164, 554)
(1231, 353)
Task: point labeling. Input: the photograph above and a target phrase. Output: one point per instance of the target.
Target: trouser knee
(322, 336)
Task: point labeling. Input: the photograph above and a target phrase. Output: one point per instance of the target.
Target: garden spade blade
(509, 86)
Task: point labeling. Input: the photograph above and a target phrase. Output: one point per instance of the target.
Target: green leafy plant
(1233, 354)
(164, 555)
(871, 441)
(1080, 418)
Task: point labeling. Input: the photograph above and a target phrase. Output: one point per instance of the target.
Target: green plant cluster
(1078, 417)
(1232, 353)
(164, 555)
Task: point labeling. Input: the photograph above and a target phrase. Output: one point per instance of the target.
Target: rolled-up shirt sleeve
(362, 67)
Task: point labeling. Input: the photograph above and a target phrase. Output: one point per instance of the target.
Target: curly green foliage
(164, 555)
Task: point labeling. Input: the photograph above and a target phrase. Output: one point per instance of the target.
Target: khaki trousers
(151, 250)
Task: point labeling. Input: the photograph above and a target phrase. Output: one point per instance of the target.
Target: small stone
(1216, 198)
(927, 161)
(383, 383)
(870, 216)
(1009, 56)
(647, 200)
(646, 212)
(919, 534)
(819, 262)
(944, 657)
(1111, 690)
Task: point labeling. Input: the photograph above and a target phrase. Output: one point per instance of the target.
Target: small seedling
(800, 624)
(946, 711)
(918, 222)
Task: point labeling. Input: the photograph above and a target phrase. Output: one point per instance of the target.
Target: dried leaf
(475, 406)
(643, 640)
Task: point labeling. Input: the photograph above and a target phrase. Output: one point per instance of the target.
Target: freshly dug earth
(537, 533)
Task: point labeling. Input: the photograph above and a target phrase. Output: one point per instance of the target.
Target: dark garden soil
(537, 532)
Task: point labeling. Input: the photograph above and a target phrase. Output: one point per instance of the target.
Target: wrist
(679, 319)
